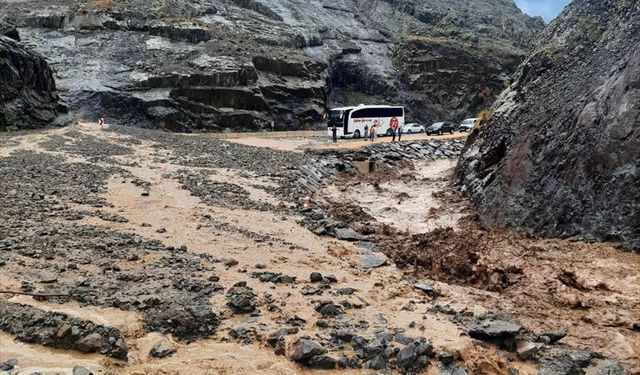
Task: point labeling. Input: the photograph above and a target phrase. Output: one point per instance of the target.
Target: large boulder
(27, 89)
(559, 156)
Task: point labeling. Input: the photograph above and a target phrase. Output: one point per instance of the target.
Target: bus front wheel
(356, 134)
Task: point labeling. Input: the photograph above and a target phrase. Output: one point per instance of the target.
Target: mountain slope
(27, 89)
(560, 154)
(239, 64)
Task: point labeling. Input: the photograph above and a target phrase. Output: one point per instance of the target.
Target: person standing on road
(273, 126)
(366, 132)
(374, 131)
(394, 124)
(334, 131)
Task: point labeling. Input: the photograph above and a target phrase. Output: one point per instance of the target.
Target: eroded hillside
(240, 64)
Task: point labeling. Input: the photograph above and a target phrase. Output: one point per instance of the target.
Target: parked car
(468, 124)
(441, 128)
(413, 128)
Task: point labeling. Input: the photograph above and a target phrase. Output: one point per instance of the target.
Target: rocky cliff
(27, 88)
(239, 64)
(561, 153)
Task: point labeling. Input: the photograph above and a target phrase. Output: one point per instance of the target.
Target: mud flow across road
(157, 253)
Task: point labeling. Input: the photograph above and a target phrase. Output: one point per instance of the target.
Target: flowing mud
(194, 251)
(591, 291)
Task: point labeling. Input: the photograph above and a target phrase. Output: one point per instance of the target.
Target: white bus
(354, 122)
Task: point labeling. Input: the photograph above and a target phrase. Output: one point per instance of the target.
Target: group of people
(394, 125)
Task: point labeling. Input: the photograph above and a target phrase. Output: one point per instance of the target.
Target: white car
(468, 125)
(412, 128)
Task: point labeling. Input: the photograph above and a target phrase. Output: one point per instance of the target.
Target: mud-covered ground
(140, 252)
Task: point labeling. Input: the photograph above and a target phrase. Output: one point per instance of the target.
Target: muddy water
(405, 205)
(597, 312)
(382, 291)
(36, 358)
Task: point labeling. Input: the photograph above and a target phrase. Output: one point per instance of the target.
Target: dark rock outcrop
(559, 156)
(27, 89)
(240, 64)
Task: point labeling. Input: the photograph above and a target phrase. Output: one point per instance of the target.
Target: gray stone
(162, 349)
(493, 329)
(376, 260)
(305, 349)
(323, 362)
(8, 365)
(429, 289)
(79, 370)
(450, 369)
(90, 343)
(348, 234)
(527, 350)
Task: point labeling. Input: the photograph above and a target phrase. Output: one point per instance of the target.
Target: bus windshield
(336, 117)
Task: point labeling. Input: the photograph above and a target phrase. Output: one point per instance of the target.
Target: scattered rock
(494, 328)
(241, 298)
(414, 357)
(527, 350)
(315, 277)
(8, 365)
(429, 289)
(328, 309)
(79, 370)
(90, 343)
(450, 369)
(348, 234)
(375, 260)
(162, 349)
(323, 362)
(552, 337)
(305, 349)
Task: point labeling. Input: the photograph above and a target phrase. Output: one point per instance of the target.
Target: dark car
(441, 128)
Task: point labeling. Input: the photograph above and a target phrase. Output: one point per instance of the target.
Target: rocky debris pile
(28, 98)
(88, 146)
(570, 361)
(273, 277)
(203, 152)
(559, 155)
(551, 357)
(283, 61)
(325, 165)
(223, 194)
(57, 330)
(385, 351)
(328, 163)
(40, 240)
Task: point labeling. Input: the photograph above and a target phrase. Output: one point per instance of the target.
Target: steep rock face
(561, 153)
(239, 64)
(27, 89)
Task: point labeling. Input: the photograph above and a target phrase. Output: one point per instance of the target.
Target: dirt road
(301, 144)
